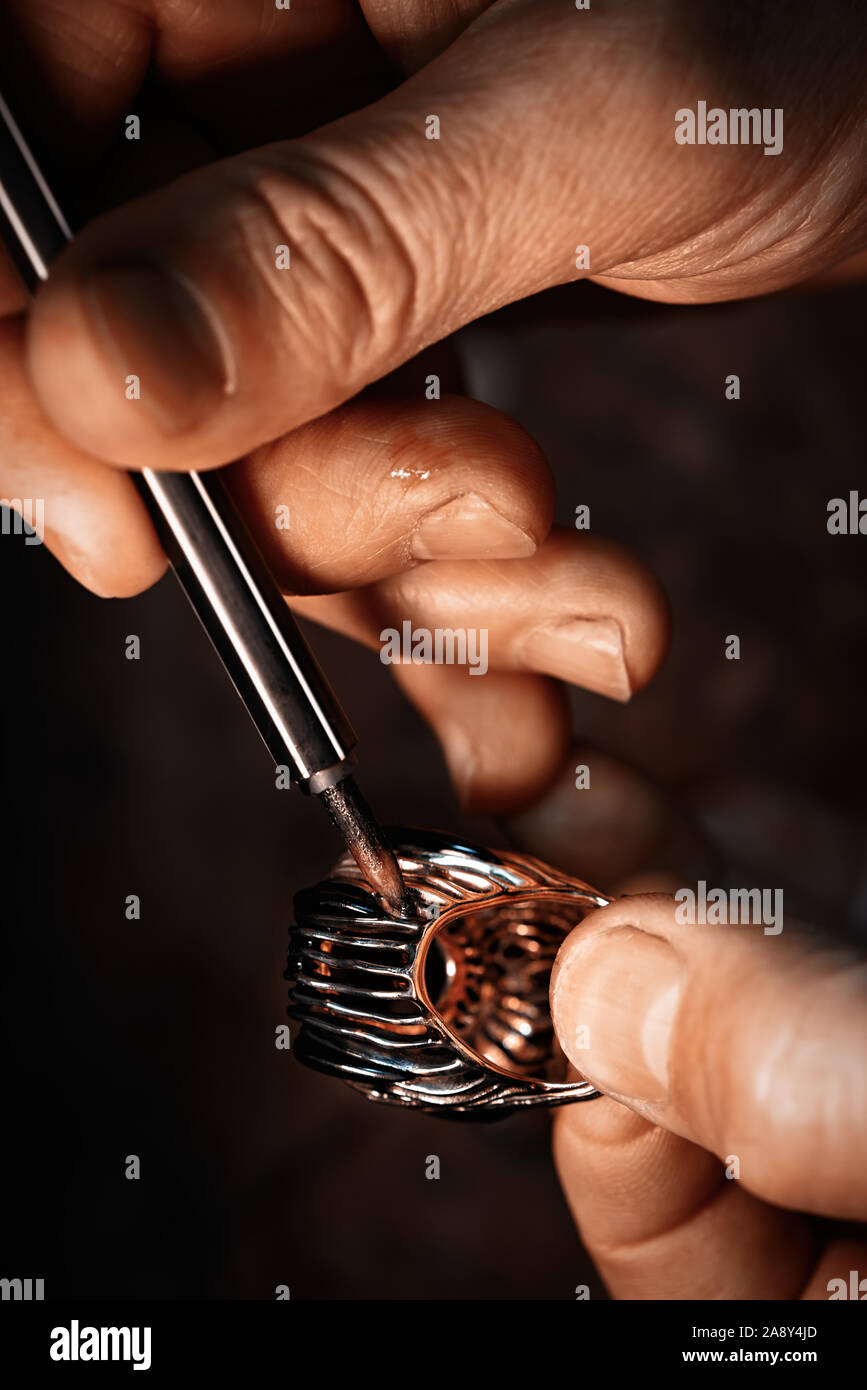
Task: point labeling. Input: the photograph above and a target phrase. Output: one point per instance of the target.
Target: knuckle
(351, 292)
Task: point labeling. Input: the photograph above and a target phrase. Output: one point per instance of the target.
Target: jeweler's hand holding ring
(736, 1058)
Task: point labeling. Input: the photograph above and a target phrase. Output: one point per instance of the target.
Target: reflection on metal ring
(447, 1012)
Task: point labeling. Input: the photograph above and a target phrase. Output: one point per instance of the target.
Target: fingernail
(469, 528)
(152, 327)
(585, 651)
(614, 998)
(76, 562)
(461, 757)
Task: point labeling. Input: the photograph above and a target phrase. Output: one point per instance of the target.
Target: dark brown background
(156, 1037)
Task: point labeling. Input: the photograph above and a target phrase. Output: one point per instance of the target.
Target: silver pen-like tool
(223, 574)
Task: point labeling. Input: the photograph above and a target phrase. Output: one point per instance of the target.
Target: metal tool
(223, 574)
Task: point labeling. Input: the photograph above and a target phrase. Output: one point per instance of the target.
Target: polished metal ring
(446, 1012)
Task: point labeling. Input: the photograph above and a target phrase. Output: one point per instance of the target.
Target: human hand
(368, 208)
(727, 1157)
(374, 488)
(556, 127)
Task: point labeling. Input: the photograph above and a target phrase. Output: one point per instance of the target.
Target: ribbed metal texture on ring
(356, 989)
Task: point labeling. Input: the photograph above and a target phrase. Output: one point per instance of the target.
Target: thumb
(749, 1045)
(260, 292)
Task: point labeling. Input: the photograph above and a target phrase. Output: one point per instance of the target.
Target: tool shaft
(222, 572)
(211, 550)
(246, 617)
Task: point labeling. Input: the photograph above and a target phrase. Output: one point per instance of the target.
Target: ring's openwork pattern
(449, 1011)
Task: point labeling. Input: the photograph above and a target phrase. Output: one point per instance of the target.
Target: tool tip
(366, 843)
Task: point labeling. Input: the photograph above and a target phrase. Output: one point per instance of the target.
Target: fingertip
(606, 623)
(615, 993)
(85, 400)
(645, 616)
(502, 738)
(120, 569)
(407, 481)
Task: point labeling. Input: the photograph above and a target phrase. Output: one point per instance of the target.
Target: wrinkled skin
(556, 130)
